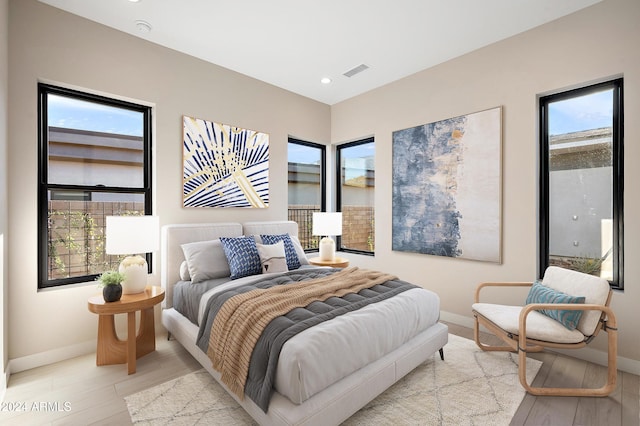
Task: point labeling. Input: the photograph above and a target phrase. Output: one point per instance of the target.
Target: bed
(309, 388)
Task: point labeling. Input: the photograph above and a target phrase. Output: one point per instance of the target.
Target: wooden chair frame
(521, 344)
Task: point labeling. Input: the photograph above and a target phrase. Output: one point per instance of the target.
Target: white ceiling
(292, 44)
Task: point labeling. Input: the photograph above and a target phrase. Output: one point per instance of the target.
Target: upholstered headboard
(171, 255)
(173, 236)
(270, 228)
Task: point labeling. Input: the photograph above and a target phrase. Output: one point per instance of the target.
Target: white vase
(135, 271)
(327, 249)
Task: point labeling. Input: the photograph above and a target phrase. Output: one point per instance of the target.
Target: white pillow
(272, 257)
(302, 256)
(184, 271)
(206, 260)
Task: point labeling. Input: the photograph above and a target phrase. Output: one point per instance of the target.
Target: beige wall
(49, 45)
(597, 43)
(46, 44)
(4, 101)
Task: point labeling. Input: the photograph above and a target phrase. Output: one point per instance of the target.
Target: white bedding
(325, 353)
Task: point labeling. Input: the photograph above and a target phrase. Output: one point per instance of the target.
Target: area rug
(469, 387)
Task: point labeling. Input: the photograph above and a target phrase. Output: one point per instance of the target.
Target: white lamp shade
(326, 224)
(132, 234)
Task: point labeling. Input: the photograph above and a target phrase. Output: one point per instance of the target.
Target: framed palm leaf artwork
(224, 166)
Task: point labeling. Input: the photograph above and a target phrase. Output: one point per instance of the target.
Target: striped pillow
(540, 293)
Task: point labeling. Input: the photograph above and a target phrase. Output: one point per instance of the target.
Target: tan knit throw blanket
(241, 319)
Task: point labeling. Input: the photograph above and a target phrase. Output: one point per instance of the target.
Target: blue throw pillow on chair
(540, 293)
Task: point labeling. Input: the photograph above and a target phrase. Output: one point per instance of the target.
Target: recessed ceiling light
(325, 80)
(134, 1)
(143, 26)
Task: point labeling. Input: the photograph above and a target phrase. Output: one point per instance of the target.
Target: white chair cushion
(539, 326)
(594, 289)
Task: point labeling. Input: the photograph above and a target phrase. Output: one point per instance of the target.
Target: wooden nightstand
(337, 262)
(112, 350)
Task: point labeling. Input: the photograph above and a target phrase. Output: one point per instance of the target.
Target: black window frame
(323, 173)
(618, 174)
(338, 188)
(44, 186)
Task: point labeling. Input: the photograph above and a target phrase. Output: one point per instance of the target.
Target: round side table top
(337, 262)
(151, 296)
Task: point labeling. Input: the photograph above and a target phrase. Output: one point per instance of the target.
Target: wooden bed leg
(441, 353)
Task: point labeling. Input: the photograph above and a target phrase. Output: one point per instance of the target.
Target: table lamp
(327, 225)
(132, 235)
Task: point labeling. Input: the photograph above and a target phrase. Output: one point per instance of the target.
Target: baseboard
(456, 319)
(4, 379)
(599, 357)
(586, 354)
(28, 362)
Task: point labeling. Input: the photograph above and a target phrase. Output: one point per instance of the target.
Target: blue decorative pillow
(540, 293)
(289, 250)
(242, 255)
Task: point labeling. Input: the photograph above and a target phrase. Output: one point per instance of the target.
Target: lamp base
(327, 249)
(135, 271)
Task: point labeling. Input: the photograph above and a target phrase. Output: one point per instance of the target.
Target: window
(306, 187)
(94, 161)
(581, 181)
(355, 195)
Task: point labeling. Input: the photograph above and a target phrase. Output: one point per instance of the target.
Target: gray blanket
(186, 296)
(264, 360)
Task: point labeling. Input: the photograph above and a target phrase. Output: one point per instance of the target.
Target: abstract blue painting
(224, 166)
(447, 187)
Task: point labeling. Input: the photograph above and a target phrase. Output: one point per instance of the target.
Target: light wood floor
(76, 392)
(622, 407)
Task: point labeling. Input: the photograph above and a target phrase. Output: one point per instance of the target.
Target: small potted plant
(110, 282)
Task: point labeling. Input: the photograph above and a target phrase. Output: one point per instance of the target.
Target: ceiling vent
(356, 70)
